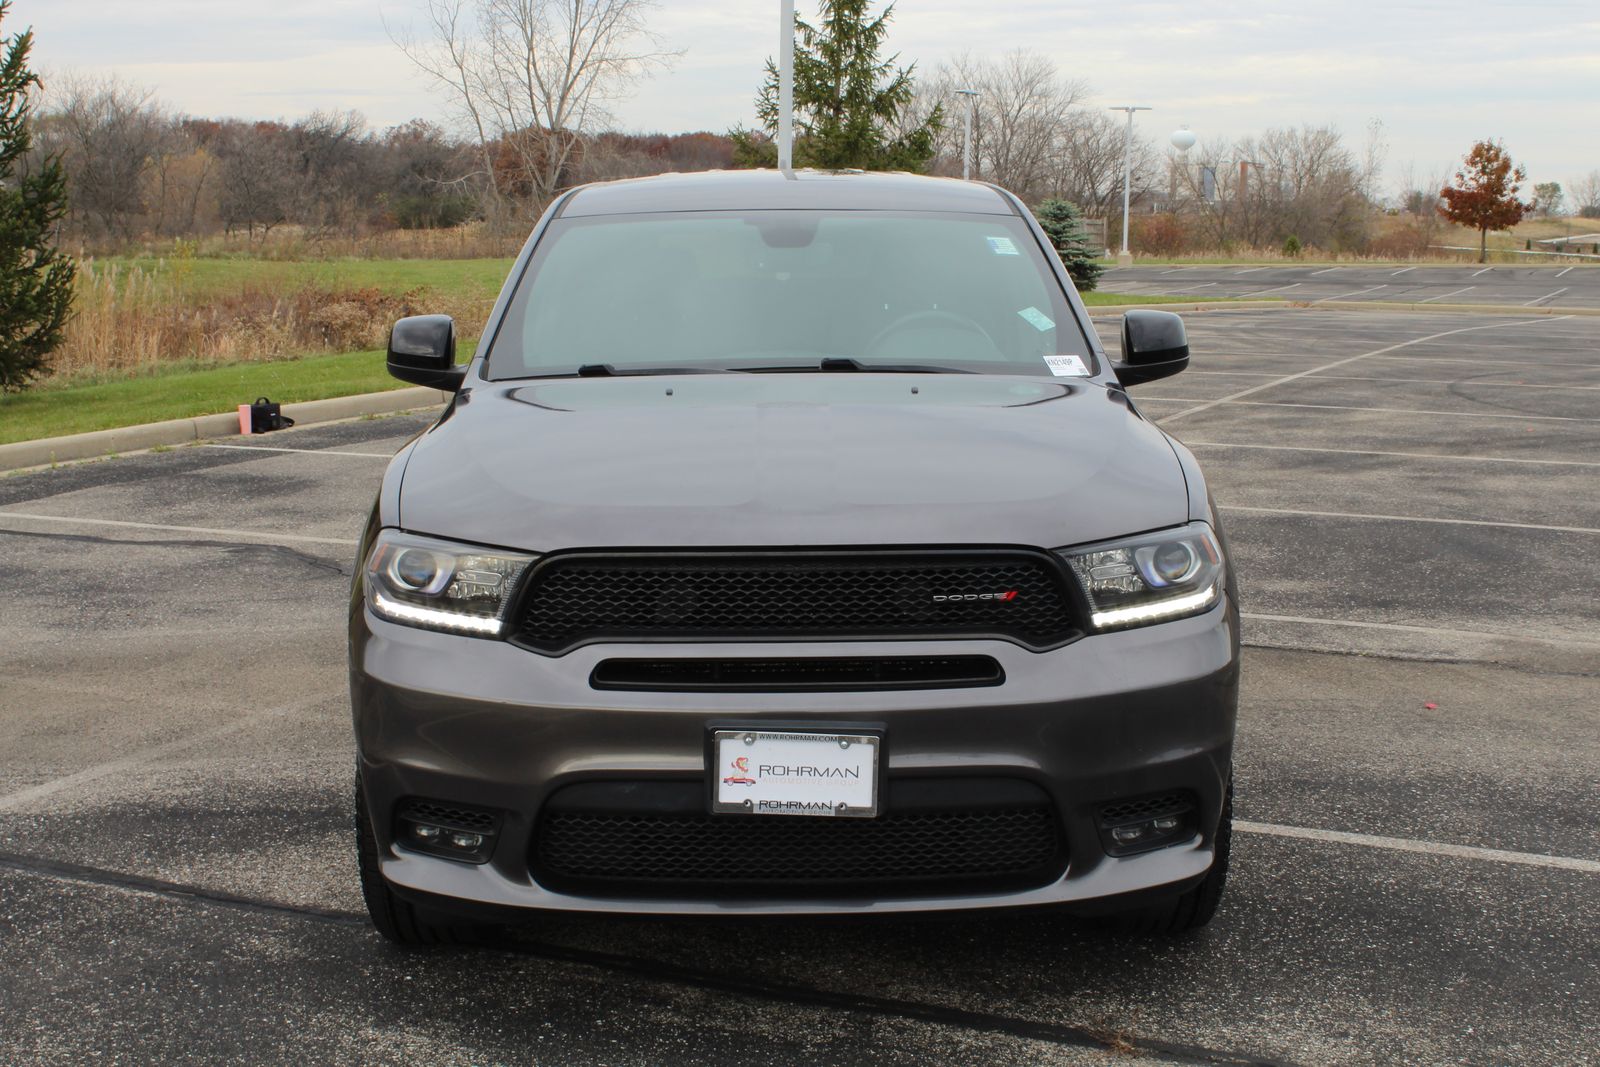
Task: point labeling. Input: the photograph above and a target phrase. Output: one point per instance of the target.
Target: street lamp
(966, 147)
(786, 86)
(1126, 257)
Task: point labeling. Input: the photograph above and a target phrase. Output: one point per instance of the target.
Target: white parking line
(1432, 631)
(263, 536)
(1263, 292)
(1398, 455)
(1185, 289)
(1409, 518)
(1342, 407)
(1350, 359)
(305, 451)
(1324, 270)
(1346, 296)
(1441, 296)
(1485, 270)
(144, 757)
(1409, 381)
(1427, 848)
(1176, 270)
(1562, 271)
(1547, 296)
(1250, 270)
(1402, 270)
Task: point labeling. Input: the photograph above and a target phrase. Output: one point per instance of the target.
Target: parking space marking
(1403, 455)
(1351, 407)
(1409, 518)
(1324, 270)
(1441, 296)
(1432, 631)
(266, 536)
(1485, 270)
(1387, 381)
(1186, 288)
(1262, 292)
(1351, 359)
(1562, 271)
(1346, 296)
(1402, 270)
(1547, 296)
(1478, 362)
(143, 757)
(1250, 270)
(1427, 848)
(305, 451)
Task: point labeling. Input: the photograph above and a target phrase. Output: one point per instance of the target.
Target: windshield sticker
(1037, 319)
(1066, 366)
(1002, 246)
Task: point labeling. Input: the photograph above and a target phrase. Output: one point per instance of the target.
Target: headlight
(1150, 578)
(420, 581)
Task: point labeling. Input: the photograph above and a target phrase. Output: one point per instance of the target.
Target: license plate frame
(854, 790)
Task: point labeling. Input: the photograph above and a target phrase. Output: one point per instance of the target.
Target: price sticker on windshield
(1066, 366)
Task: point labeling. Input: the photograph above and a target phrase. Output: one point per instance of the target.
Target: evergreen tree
(1063, 224)
(851, 108)
(35, 278)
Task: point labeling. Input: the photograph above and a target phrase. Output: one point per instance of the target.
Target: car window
(719, 290)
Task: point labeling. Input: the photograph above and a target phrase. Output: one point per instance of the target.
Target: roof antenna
(786, 89)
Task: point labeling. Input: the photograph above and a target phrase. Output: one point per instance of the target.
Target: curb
(49, 450)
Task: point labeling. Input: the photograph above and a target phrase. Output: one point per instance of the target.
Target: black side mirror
(1154, 345)
(422, 351)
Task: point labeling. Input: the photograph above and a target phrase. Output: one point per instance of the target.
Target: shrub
(1161, 235)
(1063, 224)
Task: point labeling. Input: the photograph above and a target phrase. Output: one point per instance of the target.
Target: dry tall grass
(127, 318)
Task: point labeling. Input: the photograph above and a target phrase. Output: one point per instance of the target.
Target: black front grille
(951, 838)
(797, 675)
(449, 816)
(1149, 807)
(1016, 595)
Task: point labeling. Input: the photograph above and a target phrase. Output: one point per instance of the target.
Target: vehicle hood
(790, 459)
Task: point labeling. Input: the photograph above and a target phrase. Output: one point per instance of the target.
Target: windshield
(787, 290)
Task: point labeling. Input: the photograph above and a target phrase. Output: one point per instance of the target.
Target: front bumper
(485, 723)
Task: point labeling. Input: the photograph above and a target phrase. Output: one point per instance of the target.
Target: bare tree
(1019, 120)
(1584, 195)
(533, 78)
(108, 132)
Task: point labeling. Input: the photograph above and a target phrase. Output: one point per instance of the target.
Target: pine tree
(1063, 224)
(850, 106)
(35, 278)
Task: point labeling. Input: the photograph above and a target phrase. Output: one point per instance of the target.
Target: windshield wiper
(834, 364)
(606, 370)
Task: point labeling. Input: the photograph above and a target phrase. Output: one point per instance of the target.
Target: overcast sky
(1438, 74)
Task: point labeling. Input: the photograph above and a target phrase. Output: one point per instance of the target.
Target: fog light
(1128, 834)
(466, 841)
(1168, 822)
(424, 832)
(450, 831)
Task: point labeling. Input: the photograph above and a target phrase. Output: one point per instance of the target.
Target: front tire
(1196, 906)
(396, 919)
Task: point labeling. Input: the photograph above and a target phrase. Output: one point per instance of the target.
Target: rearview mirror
(1154, 345)
(422, 351)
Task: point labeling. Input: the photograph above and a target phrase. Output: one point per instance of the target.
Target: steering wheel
(928, 318)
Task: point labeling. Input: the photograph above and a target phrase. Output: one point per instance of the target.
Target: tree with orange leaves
(1484, 195)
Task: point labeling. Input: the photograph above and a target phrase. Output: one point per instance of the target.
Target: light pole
(1126, 257)
(786, 86)
(966, 145)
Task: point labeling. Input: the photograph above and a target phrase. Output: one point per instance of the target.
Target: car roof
(756, 190)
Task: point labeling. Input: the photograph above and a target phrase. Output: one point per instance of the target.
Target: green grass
(184, 392)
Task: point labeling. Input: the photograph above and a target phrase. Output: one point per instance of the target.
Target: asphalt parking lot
(1575, 285)
(1413, 512)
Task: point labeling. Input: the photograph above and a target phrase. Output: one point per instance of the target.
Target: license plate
(795, 773)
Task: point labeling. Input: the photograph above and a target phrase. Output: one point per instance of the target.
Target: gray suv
(791, 545)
